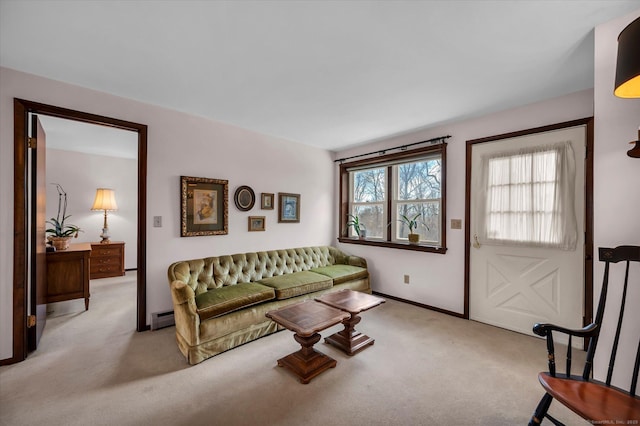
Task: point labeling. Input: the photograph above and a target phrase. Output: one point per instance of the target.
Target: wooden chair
(595, 401)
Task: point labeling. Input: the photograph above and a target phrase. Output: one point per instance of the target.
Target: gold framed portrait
(204, 206)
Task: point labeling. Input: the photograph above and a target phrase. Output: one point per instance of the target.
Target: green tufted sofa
(220, 302)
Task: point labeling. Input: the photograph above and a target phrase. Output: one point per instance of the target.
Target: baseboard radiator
(162, 319)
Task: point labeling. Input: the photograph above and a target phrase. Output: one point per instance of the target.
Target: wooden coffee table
(306, 319)
(350, 340)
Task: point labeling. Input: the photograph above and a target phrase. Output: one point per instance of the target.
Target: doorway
(513, 286)
(80, 158)
(22, 109)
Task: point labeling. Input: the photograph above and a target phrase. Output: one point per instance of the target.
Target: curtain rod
(439, 139)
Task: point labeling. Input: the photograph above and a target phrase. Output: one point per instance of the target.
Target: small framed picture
(203, 206)
(244, 198)
(288, 208)
(267, 201)
(256, 223)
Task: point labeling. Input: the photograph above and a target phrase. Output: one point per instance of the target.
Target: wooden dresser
(107, 260)
(68, 274)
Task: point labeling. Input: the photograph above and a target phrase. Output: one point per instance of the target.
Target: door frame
(21, 110)
(587, 317)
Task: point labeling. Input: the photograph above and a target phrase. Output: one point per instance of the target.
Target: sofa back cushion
(196, 273)
(215, 272)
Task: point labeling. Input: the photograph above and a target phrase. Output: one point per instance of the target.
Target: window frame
(396, 158)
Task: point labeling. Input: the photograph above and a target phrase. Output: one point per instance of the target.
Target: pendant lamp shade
(628, 65)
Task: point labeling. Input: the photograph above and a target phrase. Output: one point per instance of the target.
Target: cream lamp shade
(105, 200)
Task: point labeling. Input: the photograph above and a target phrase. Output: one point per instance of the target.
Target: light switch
(157, 221)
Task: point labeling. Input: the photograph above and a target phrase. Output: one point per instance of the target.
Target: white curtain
(528, 198)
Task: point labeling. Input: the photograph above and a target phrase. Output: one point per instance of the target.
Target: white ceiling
(331, 74)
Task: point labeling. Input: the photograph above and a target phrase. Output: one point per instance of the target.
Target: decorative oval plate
(244, 198)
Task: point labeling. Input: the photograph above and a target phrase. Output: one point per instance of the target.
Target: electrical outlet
(456, 223)
(406, 279)
(157, 221)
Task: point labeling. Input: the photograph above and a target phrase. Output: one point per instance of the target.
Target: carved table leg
(307, 363)
(350, 340)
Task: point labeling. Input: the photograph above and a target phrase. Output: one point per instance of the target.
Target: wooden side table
(107, 260)
(349, 340)
(68, 274)
(306, 319)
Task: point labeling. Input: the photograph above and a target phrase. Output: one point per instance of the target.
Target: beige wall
(178, 144)
(438, 280)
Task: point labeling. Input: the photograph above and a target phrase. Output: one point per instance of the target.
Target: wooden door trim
(21, 109)
(19, 234)
(588, 200)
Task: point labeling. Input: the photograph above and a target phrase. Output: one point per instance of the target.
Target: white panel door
(514, 287)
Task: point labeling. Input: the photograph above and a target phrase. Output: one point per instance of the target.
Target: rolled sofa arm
(357, 261)
(185, 312)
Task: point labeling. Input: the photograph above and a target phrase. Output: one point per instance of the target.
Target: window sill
(387, 244)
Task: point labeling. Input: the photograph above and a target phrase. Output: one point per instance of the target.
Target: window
(529, 197)
(417, 193)
(368, 196)
(379, 191)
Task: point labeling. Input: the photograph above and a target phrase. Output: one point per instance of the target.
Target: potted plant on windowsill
(358, 227)
(60, 235)
(412, 223)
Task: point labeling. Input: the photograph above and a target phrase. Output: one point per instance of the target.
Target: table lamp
(105, 200)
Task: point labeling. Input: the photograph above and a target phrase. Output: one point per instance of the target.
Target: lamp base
(105, 236)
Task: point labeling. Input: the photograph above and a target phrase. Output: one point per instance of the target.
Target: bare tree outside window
(368, 200)
(418, 193)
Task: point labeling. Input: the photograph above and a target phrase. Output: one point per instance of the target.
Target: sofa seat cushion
(342, 273)
(219, 301)
(297, 284)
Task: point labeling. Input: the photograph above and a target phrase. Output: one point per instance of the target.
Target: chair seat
(592, 401)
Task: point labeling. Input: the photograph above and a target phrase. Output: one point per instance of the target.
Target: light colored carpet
(425, 368)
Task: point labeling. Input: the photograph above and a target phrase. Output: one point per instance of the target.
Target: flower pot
(60, 243)
(414, 238)
(363, 234)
